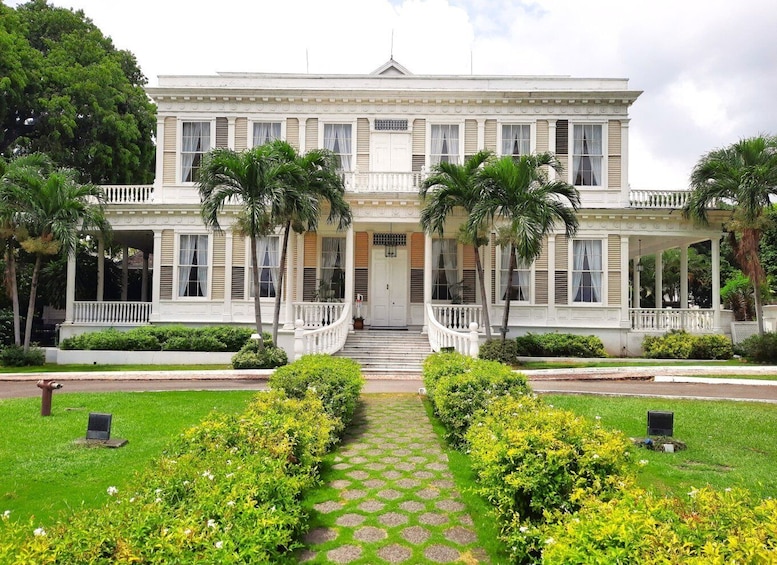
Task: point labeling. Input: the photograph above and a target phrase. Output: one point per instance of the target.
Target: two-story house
(388, 128)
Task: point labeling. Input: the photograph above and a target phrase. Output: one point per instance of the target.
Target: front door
(389, 288)
(390, 153)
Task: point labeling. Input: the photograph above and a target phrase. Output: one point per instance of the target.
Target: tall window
(521, 288)
(587, 155)
(269, 264)
(333, 267)
(193, 265)
(516, 140)
(337, 139)
(445, 144)
(445, 272)
(587, 270)
(265, 132)
(195, 142)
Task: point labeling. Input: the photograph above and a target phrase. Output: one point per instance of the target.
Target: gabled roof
(391, 68)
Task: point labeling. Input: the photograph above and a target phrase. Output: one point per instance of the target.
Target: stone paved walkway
(393, 496)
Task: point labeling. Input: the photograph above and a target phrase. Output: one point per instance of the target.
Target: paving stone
(340, 484)
(389, 494)
(371, 506)
(461, 536)
(341, 466)
(441, 554)
(407, 483)
(327, 507)
(402, 452)
(395, 553)
(392, 519)
(344, 554)
(357, 460)
(374, 483)
(443, 483)
(320, 535)
(450, 505)
(405, 466)
(428, 493)
(359, 475)
(437, 466)
(432, 518)
(412, 506)
(423, 475)
(389, 460)
(306, 555)
(353, 494)
(391, 475)
(418, 459)
(375, 466)
(350, 520)
(370, 534)
(415, 534)
(465, 520)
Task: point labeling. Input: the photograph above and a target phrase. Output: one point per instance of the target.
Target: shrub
(195, 343)
(336, 380)
(560, 345)
(673, 345)
(502, 351)
(249, 356)
(711, 346)
(640, 527)
(112, 339)
(6, 327)
(459, 399)
(760, 348)
(231, 336)
(438, 365)
(15, 356)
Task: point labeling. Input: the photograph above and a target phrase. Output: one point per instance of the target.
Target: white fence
(317, 314)
(325, 339)
(113, 313)
(458, 316)
(692, 320)
(440, 336)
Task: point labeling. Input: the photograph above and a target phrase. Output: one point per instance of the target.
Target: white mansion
(388, 129)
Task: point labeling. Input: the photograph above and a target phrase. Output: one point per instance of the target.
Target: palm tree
(745, 175)
(453, 186)
(517, 190)
(255, 179)
(300, 208)
(52, 211)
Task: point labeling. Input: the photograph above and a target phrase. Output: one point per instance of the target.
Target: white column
(302, 127)
(552, 143)
(637, 284)
(624, 268)
(551, 277)
(160, 148)
(124, 272)
(226, 312)
(684, 276)
(716, 283)
(231, 132)
(427, 278)
(70, 289)
(625, 163)
(659, 292)
(291, 283)
(155, 281)
(350, 263)
(481, 134)
(144, 279)
(100, 268)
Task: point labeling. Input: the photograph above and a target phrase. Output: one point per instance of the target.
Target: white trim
(264, 118)
(603, 183)
(508, 122)
(179, 142)
(177, 233)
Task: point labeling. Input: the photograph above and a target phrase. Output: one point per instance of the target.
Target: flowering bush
(678, 344)
(556, 345)
(439, 365)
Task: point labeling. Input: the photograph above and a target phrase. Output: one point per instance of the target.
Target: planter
(358, 323)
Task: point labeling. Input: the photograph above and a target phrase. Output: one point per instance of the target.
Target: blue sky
(708, 68)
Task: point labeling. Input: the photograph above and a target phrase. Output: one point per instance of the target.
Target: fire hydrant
(47, 387)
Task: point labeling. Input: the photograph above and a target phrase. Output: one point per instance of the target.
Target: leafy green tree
(745, 175)
(529, 205)
(68, 92)
(452, 186)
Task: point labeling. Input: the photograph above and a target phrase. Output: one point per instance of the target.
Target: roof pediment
(391, 68)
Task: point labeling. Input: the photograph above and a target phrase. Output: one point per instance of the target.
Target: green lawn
(730, 444)
(44, 472)
(52, 368)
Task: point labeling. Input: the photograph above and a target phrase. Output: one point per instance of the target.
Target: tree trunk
(506, 317)
(759, 307)
(279, 290)
(31, 306)
(483, 293)
(13, 291)
(257, 301)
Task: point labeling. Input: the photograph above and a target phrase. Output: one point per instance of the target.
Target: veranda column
(349, 271)
(683, 276)
(124, 272)
(637, 284)
(624, 268)
(427, 279)
(481, 135)
(625, 197)
(291, 283)
(552, 144)
(70, 288)
(715, 284)
(659, 288)
(100, 268)
(160, 143)
(155, 281)
(231, 132)
(144, 279)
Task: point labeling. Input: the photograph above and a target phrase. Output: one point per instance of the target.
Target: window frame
(435, 294)
(260, 120)
(502, 269)
(459, 155)
(602, 173)
(180, 145)
(602, 241)
(531, 141)
(249, 269)
(343, 258)
(179, 266)
(322, 141)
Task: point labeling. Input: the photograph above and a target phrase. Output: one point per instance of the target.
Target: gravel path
(390, 497)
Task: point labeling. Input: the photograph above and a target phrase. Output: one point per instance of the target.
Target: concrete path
(390, 495)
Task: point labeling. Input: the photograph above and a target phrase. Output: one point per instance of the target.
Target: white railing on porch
(692, 320)
(658, 198)
(317, 314)
(326, 339)
(465, 342)
(114, 313)
(383, 182)
(458, 316)
(128, 193)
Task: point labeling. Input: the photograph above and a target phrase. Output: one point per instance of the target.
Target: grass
(730, 444)
(585, 363)
(45, 473)
(52, 368)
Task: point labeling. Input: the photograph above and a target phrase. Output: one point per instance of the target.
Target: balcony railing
(128, 193)
(658, 198)
(383, 182)
(691, 320)
(113, 313)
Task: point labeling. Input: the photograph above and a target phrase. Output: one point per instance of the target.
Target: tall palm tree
(518, 192)
(53, 209)
(255, 179)
(745, 175)
(318, 183)
(452, 186)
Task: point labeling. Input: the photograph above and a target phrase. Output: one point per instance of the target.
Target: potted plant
(358, 323)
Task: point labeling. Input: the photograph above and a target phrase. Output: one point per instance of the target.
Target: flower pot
(358, 323)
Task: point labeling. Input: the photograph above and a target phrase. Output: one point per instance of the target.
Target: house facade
(388, 129)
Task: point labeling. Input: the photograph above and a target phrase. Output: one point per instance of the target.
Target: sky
(708, 68)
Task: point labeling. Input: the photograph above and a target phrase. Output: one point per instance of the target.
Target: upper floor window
(265, 132)
(521, 287)
(332, 268)
(268, 257)
(337, 139)
(193, 265)
(587, 270)
(445, 144)
(445, 271)
(195, 142)
(516, 139)
(587, 155)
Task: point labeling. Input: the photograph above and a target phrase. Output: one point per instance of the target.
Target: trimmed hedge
(678, 344)
(162, 338)
(502, 351)
(249, 356)
(760, 348)
(439, 365)
(560, 345)
(15, 356)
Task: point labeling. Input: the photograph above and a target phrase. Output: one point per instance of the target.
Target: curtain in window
(445, 144)
(444, 252)
(264, 132)
(195, 141)
(587, 158)
(587, 273)
(193, 266)
(332, 256)
(267, 255)
(337, 139)
(521, 277)
(515, 140)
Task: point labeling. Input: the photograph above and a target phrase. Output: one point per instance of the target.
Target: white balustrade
(128, 194)
(113, 313)
(318, 314)
(658, 198)
(692, 320)
(464, 342)
(327, 339)
(383, 182)
(458, 316)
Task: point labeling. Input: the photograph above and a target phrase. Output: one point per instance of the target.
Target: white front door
(391, 153)
(389, 288)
